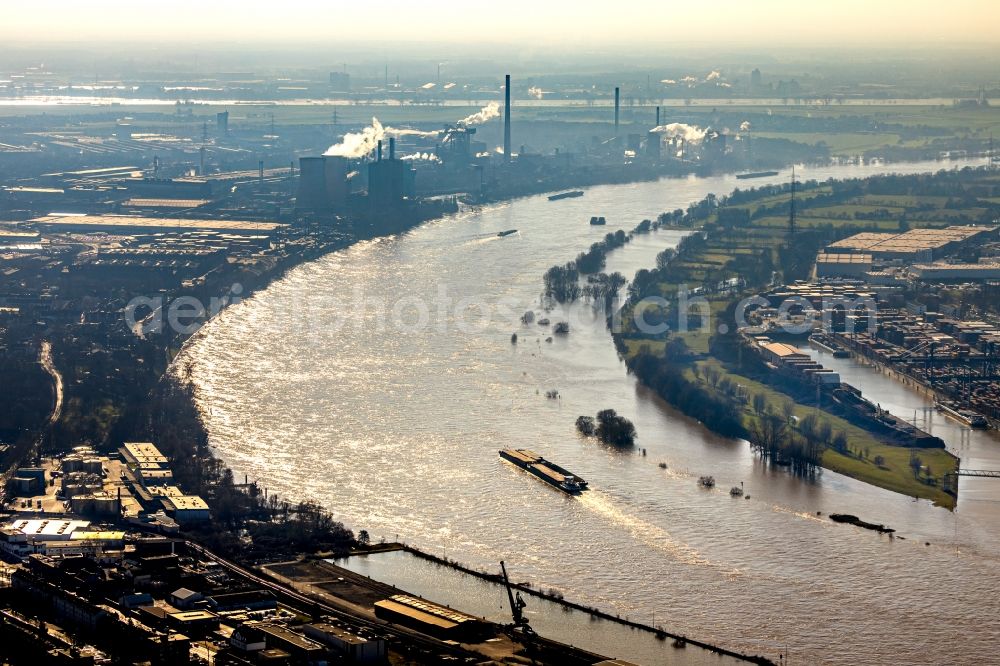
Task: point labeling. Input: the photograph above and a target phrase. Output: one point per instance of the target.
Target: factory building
(358, 648)
(323, 183)
(186, 509)
(23, 537)
(390, 182)
(137, 454)
(459, 146)
(168, 188)
(653, 145)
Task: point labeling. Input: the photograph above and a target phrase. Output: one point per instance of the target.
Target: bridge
(977, 472)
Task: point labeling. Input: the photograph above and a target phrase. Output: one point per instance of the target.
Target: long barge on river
(755, 174)
(566, 195)
(545, 470)
(965, 416)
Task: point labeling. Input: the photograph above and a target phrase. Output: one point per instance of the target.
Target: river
(393, 421)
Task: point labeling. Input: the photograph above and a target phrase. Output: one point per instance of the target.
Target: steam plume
(429, 157)
(690, 133)
(488, 112)
(359, 144)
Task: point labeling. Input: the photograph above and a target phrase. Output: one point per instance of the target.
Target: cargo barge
(566, 195)
(823, 343)
(755, 174)
(545, 470)
(965, 416)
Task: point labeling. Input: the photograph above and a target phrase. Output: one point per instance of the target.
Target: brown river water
(393, 421)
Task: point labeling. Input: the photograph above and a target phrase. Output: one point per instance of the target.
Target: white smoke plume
(536, 92)
(395, 131)
(688, 79)
(713, 75)
(359, 144)
(745, 126)
(487, 113)
(427, 157)
(690, 133)
(668, 82)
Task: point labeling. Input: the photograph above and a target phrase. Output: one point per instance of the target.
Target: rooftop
(185, 503)
(782, 350)
(47, 528)
(844, 258)
(143, 453)
(167, 203)
(129, 224)
(913, 241)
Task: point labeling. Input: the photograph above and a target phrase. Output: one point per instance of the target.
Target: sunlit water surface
(397, 432)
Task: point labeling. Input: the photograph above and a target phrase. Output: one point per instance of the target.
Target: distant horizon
(642, 25)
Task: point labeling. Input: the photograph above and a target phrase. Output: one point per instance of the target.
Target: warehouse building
(842, 265)
(430, 618)
(942, 272)
(23, 537)
(186, 508)
(137, 454)
(356, 647)
(128, 225)
(913, 245)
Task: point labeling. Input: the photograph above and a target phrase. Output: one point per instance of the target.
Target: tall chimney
(201, 151)
(380, 150)
(657, 116)
(617, 101)
(506, 118)
(260, 171)
(392, 147)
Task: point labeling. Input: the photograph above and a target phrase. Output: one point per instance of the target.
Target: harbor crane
(517, 604)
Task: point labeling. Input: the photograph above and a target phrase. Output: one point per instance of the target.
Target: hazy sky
(580, 23)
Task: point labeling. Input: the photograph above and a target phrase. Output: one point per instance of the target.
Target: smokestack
(506, 118)
(380, 150)
(657, 117)
(201, 170)
(392, 147)
(260, 171)
(617, 101)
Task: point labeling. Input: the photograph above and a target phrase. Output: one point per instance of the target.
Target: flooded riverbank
(321, 394)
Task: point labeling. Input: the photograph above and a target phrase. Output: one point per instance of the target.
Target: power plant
(366, 178)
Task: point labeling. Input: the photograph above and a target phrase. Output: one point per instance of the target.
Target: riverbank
(659, 632)
(744, 240)
(405, 428)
